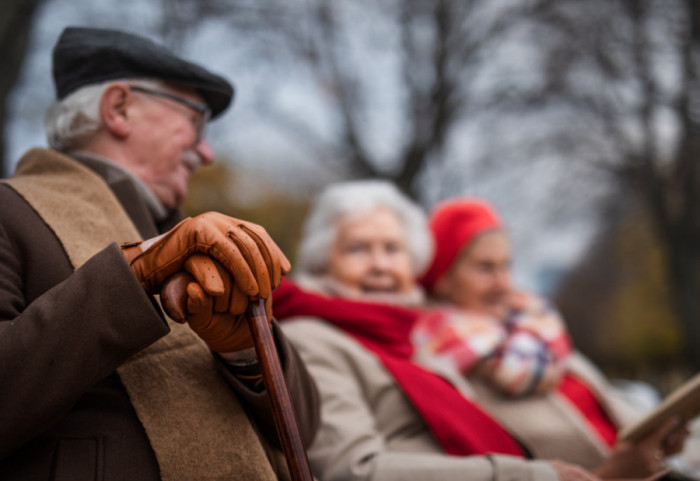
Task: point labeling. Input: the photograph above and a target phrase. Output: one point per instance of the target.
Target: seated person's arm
(221, 322)
(350, 444)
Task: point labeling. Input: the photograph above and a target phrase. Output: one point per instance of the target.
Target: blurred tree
(630, 330)
(623, 76)
(399, 84)
(426, 60)
(15, 26)
(644, 328)
(596, 276)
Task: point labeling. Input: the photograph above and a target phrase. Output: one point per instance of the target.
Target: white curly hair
(338, 202)
(72, 120)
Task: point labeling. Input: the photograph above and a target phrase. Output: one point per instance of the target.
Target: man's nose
(205, 152)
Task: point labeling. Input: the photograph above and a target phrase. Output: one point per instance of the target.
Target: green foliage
(618, 302)
(644, 328)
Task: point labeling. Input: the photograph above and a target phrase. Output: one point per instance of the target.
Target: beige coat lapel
(74, 202)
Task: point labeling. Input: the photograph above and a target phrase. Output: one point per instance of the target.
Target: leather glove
(220, 321)
(244, 249)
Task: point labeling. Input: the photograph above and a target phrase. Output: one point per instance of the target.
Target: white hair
(338, 202)
(71, 120)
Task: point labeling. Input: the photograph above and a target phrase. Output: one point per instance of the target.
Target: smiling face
(479, 279)
(166, 150)
(370, 255)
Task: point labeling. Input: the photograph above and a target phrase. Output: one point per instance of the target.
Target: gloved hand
(244, 249)
(220, 321)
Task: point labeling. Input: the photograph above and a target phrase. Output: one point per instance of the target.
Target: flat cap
(84, 56)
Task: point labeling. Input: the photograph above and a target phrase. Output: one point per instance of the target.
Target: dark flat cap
(84, 56)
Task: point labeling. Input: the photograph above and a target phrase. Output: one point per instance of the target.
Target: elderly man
(96, 382)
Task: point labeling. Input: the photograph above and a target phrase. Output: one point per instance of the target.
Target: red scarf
(459, 425)
(578, 394)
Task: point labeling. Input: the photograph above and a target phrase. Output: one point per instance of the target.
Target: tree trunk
(683, 262)
(15, 27)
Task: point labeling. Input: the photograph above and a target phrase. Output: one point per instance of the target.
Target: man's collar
(113, 172)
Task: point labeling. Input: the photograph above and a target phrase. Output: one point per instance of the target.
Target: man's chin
(179, 196)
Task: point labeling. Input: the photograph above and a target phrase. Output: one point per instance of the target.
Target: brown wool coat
(63, 335)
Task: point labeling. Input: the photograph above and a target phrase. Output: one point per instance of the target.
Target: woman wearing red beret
(512, 346)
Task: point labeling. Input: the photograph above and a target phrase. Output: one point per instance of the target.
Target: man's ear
(114, 109)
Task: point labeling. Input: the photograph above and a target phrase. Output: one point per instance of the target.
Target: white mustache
(192, 159)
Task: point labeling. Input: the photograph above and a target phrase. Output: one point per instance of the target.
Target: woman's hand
(644, 458)
(572, 472)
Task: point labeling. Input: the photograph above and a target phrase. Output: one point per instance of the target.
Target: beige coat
(549, 426)
(369, 430)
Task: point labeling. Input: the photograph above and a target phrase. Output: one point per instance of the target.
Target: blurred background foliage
(618, 305)
(579, 120)
(215, 188)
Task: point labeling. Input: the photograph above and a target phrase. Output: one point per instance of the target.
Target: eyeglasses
(202, 109)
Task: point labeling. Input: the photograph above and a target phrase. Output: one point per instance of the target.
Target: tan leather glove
(220, 321)
(244, 249)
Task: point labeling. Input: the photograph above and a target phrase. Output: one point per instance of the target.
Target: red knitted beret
(454, 223)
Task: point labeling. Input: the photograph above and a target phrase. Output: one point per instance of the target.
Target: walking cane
(174, 303)
(282, 408)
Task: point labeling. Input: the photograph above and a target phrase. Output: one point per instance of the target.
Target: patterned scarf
(524, 353)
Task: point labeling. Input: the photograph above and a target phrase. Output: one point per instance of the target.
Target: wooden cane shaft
(276, 386)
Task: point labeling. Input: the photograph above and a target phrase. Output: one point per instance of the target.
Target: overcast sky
(542, 248)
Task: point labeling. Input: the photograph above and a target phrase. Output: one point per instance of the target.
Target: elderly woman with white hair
(350, 313)
(365, 239)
